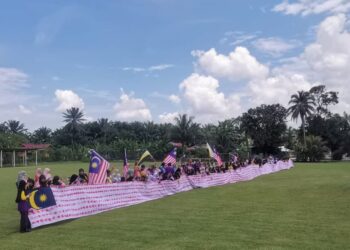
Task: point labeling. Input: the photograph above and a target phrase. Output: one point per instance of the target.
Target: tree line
(261, 130)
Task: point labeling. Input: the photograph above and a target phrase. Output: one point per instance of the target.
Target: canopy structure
(24, 149)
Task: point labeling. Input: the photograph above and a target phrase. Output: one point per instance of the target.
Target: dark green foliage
(313, 151)
(334, 130)
(15, 127)
(265, 125)
(41, 135)
(186, 131)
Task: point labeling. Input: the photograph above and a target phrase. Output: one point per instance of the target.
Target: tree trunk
(303, 127)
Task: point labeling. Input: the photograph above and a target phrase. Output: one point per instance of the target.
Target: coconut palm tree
(42, 135)
(185, 130)
(74, 118)
(15, 127)
(302, 105)
(104, 126)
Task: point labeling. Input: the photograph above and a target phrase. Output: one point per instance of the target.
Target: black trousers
(25, 225)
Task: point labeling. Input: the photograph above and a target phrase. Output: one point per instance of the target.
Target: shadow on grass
(16, 231)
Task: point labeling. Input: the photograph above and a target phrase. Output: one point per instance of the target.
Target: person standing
(23, 206)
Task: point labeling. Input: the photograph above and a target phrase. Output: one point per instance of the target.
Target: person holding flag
(170, 158)
(97, 169)
(144, 156)
(214, 155)
(125, 165)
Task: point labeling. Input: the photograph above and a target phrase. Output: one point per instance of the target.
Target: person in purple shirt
(23, 206)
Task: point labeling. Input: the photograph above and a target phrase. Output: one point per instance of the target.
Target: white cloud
(153, 68)
(131, 109)
(24, 110)
(275, 46)
(235, 38)
(237, 65)
(175, 99)
(12, 79)
(328, 58)
(68, 99)
(160, 67)
(325, 61)
(277, 88)
(134, 69)
(205, 101)
(12, 83)
(308, 7)
(168, 117)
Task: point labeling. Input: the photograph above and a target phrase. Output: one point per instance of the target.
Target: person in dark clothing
(83, 177)
(42, 181)
(23, 206)
(30, 185)
(73, 180)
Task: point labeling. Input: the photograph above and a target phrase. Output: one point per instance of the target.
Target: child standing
(23, 207)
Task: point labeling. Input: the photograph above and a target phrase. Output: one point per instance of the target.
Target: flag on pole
(143, 156)
(171, 157)
(234, 158)
(97, 169)
(126, 164)
(215, 155)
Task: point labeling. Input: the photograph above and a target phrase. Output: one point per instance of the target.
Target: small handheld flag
(171, 157)
(97, 169)
(215, 155)
(126, 164)
(143, 156)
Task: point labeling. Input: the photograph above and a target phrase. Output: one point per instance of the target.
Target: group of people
(44, 178)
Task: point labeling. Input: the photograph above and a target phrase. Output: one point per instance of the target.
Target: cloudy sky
(152, 59)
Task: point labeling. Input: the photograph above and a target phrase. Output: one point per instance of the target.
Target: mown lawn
(307, 207)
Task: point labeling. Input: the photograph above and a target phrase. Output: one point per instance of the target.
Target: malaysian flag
(98, 168)
(126, 164)
(234, 158)
(171, 158)
(215, 155)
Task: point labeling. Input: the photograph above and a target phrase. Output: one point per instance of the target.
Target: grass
(307, 207)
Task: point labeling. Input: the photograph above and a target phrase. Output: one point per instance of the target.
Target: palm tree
(302, 105)
(15, 127)
(74, 119)
(42, 135)
(104, 126)
(3, 127)
(347, 117)
(185, 130)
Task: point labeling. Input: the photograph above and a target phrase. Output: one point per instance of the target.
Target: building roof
(31, 146)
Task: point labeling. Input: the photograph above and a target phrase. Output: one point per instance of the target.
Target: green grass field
(307, 207)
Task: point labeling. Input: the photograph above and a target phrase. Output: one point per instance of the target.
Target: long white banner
(78, 201)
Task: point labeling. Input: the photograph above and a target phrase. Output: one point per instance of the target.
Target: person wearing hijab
(48, 176)
(23, 206)
(83, 177)
(22, 175)
(38, 172)
(74, 180)
(42, 181)
(56, 181)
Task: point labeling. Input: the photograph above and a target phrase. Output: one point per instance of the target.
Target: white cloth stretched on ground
(78, 201)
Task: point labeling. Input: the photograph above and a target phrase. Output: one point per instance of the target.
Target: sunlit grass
(307, 207)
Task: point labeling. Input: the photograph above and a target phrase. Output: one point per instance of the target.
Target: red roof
(29, 146)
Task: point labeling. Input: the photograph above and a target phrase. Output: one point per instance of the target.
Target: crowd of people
(44, 178)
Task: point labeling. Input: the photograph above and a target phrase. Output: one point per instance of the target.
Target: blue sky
(124, 59)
